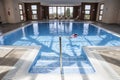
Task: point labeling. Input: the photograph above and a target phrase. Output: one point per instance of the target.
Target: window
(69, 12)
(34, 11)
(21, 12)
(87, 7)
(52, 12)
(87, 12)
(60, 12)
(101, 12)
(34, 7)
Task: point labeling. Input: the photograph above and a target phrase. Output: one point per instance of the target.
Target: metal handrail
(60, 43)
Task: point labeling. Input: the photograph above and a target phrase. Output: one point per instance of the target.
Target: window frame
(21, 10)
(87, 10)
(36, 14)
(100, 12)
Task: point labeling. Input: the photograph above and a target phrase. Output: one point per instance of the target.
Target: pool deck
(109, 54)
(104, 70)
(13, 54)
(9, 55)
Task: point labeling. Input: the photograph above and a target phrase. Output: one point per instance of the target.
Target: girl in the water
(74, 35)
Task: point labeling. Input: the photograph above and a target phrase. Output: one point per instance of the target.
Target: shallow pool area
(46, 35)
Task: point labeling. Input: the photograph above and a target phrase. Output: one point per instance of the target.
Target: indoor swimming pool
(46, 35)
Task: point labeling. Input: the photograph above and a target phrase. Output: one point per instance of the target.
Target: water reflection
(35, 29)
(1, 40)
(53, 28)
(85, 29)
(68, 27)
(98, 31)
(23, 32)
(60, 28)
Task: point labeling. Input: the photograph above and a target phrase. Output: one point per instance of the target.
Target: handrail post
(60, 43)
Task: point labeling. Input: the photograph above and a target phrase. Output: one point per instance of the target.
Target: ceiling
(61, 2)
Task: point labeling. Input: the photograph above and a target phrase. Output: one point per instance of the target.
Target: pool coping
(108, 31)
(102, 69)
(20, 65)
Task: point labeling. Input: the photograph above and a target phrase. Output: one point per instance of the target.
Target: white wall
(16, 11)
(11, 6)
(111, 10)
(119, 17)
(2, 12)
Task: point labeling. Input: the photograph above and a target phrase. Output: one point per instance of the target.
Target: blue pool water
(47, 35)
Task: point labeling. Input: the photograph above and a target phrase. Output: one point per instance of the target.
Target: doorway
(32, 11)
(89, 11)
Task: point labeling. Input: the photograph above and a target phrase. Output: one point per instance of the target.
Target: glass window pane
(33, 6)
(67, 12)
(21, 12)
(34, 16)
(88, 7)
(71, 12)
(100, 17)
(54, 9)
(62, 11)
(59, 12)
(54, 12)
(87, 17)
(50, 10)
(59, 8)
(87, 12)
(21, 17)
(102, 6)
(34, 12)
(101, 12)
(20, 6)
